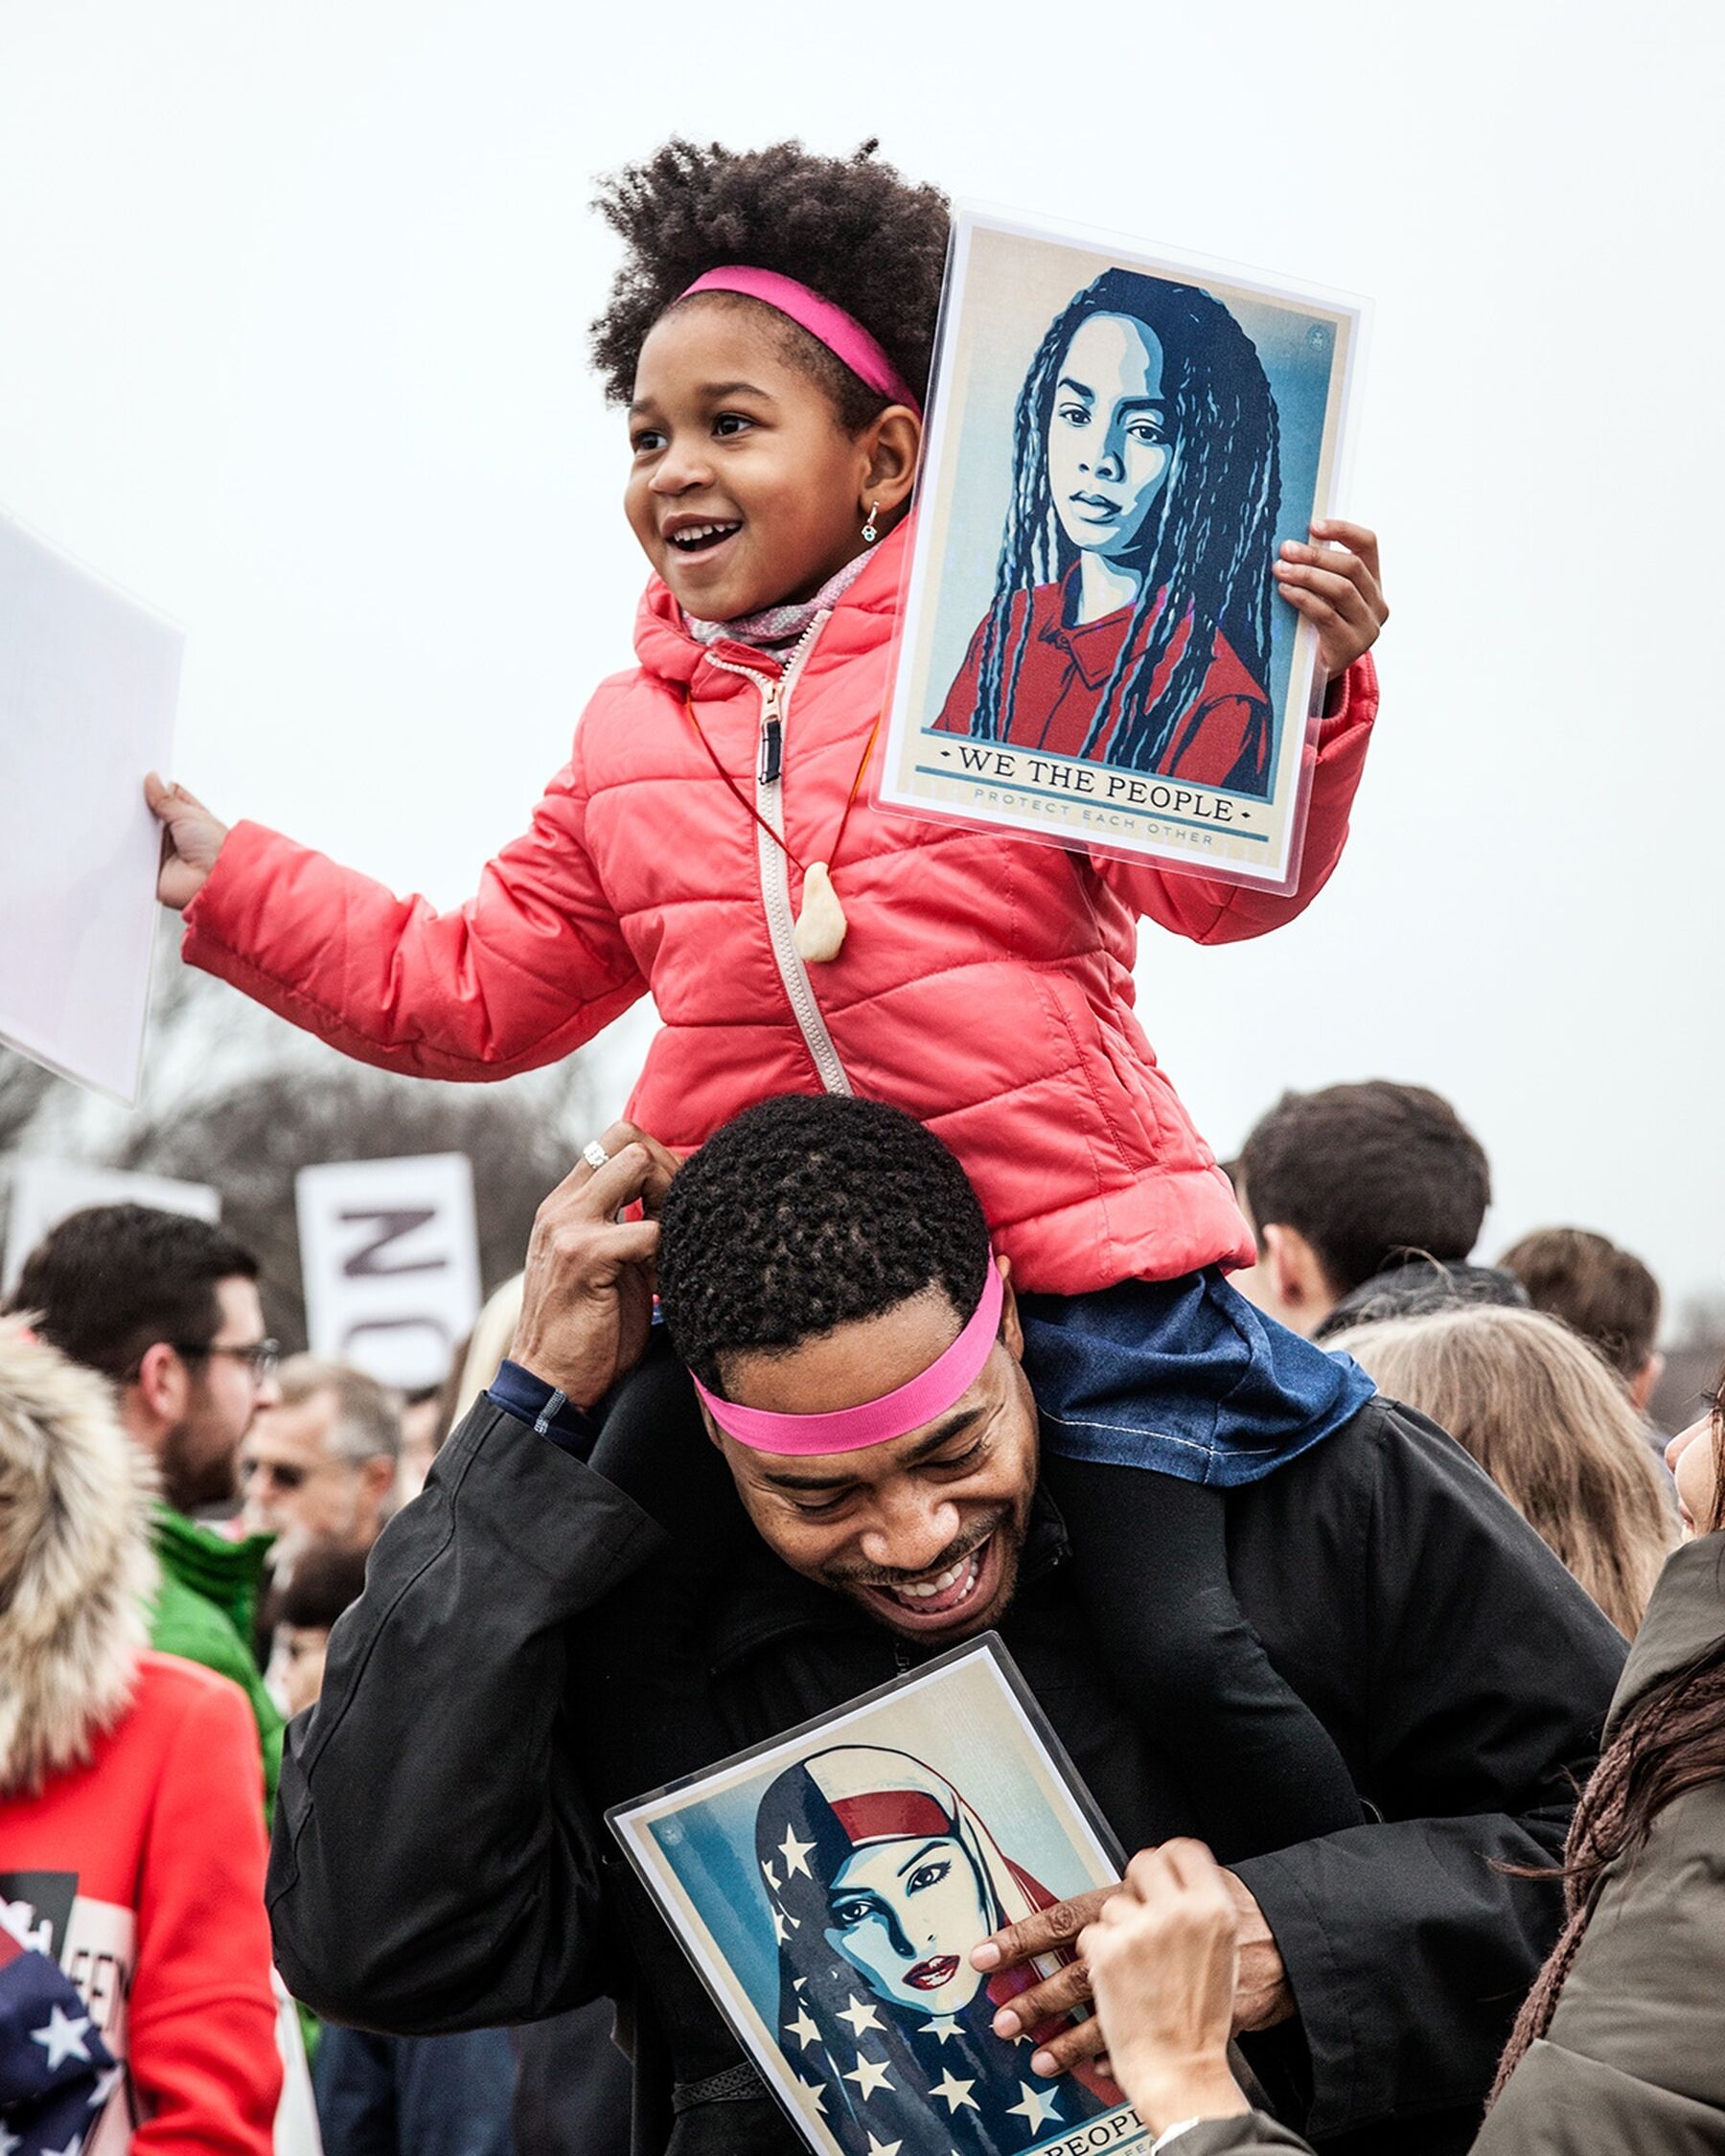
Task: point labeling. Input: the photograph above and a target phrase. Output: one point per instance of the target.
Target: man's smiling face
(924, 1530)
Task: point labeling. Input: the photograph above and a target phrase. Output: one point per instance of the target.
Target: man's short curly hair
(807, 1212)
(850, 227)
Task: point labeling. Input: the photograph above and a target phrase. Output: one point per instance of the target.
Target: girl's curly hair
(852, 228)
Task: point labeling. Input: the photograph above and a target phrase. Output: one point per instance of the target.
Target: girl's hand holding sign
(191, 840)
(1334, 583)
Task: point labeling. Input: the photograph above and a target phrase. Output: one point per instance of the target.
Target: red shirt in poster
(1223, 739)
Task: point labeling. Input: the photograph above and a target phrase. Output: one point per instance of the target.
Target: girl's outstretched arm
(523, 975)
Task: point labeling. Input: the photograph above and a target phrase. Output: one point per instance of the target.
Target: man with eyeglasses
(167, 1308)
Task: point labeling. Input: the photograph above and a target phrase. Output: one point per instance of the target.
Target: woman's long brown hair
(1672, 1741)
(1553, 1427)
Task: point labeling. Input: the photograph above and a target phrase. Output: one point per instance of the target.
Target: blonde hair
(488, 1345)
(1548, 1421)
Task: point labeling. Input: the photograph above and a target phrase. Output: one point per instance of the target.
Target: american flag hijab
(880, 1879)
(56, 2073)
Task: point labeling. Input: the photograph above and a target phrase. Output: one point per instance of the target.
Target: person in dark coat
(510, 1669)
(1618, 2045)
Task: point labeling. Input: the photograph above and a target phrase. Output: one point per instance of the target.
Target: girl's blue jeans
(1183, 1376)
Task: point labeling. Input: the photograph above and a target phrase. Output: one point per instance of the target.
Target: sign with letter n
(390, 1256)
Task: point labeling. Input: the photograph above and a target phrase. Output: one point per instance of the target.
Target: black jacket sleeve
(1248, 2135)
(1481, 1680)
(434, 1865)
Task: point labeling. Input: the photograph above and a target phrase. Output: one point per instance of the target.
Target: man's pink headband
(895, 1414)
(829, 325)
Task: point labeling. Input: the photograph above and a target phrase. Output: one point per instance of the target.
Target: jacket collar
(1091, 646)
(868, 613)
(206, 1563)
(1685, 1617)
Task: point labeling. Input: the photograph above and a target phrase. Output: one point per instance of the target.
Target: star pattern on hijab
(795, 1854)
(56, 2072)
(1040, 2107)
(869, 2075)
(859, 2015)
(954, 2094)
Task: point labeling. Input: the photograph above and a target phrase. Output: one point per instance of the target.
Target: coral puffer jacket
(984, 986)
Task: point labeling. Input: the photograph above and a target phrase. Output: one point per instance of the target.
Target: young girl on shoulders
(710, 840)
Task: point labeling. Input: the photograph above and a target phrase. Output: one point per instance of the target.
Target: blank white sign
(390, 1258)
(88, 681)
(44, 1192)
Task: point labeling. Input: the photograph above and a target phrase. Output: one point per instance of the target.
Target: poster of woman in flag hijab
(829, 1888)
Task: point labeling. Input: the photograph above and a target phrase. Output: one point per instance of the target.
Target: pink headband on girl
(840, 332)
(895, 1414)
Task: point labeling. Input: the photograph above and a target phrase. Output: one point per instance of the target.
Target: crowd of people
(906, 1304)
(174, 1497)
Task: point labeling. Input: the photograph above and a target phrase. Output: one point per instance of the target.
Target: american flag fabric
(56, 2073)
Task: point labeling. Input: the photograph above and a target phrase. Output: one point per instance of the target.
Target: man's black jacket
(440, 1861)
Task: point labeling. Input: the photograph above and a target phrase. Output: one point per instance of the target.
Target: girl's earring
(870, 533)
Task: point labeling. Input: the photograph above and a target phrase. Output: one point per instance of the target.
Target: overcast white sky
(294, 306)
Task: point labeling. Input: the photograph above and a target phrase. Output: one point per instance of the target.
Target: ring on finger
(594, 1154)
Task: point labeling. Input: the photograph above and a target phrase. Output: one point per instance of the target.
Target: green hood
(206, 1609)
(228, 1574)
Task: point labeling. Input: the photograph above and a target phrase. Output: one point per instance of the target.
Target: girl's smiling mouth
(699, 534)
(930, 1975)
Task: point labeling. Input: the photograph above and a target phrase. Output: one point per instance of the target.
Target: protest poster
(1094, 654)
(94, 1943)
(828, 1886)
(88, 682)
(389, 1253)
(42, 1193)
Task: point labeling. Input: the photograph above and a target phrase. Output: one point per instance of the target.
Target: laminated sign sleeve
(1215, 912)
(435, 1865)
(521, 976)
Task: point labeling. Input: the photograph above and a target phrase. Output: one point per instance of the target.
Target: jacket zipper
(773, 862)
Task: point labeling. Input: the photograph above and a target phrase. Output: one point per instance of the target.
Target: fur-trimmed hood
(76, 1568)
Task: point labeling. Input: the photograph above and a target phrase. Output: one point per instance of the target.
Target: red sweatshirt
(142, 1875)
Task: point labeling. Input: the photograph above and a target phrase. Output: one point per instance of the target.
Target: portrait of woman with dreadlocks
(1130, 614)
(1129, 467)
